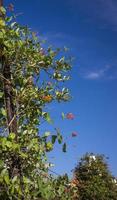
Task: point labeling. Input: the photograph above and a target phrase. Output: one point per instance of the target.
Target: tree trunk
(8, 100)
(8, 94)
(16, 169)
(1, 3)
(8, 97)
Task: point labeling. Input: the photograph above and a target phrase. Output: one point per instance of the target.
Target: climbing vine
(31, 77)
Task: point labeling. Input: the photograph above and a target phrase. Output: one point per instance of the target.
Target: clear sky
(89, 29)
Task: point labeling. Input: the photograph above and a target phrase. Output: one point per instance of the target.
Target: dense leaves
(95, 181)
(31, 78)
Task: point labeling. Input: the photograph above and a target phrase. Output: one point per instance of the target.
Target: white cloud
(97, 74)
(92, 75)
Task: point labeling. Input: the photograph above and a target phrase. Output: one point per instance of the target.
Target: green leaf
(2, 10)
(12, 136)
(1, 94)
(26, 180)
(47, 117)
(63, 115)
(13, 24)
(6, 178)
(60, 138)
(23, 155)
(54, 137)
(12, 189)
(8, 144)
(4, 172)
(1, 163)
(3, 111)
(64, 147)
(8, 19)
(49, 146)
(46, 134)
(1, 37)
(2, 23)
(14, 179)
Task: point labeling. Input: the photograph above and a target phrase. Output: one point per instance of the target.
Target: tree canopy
(95, 181)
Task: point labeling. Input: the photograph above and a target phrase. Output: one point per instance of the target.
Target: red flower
(70, 116)
(74, 134)
(47, 98)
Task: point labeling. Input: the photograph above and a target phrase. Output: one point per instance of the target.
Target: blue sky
(89, 29)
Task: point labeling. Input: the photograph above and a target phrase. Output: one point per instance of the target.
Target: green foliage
(94, 179)
(23, 172)
(34, 79)
(61, 185)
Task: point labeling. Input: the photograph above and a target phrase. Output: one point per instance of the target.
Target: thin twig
(11, 121)
(5, 78)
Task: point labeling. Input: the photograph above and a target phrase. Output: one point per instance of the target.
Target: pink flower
(49, 83)
(70, 116)
(74, 134)
(10, 7)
